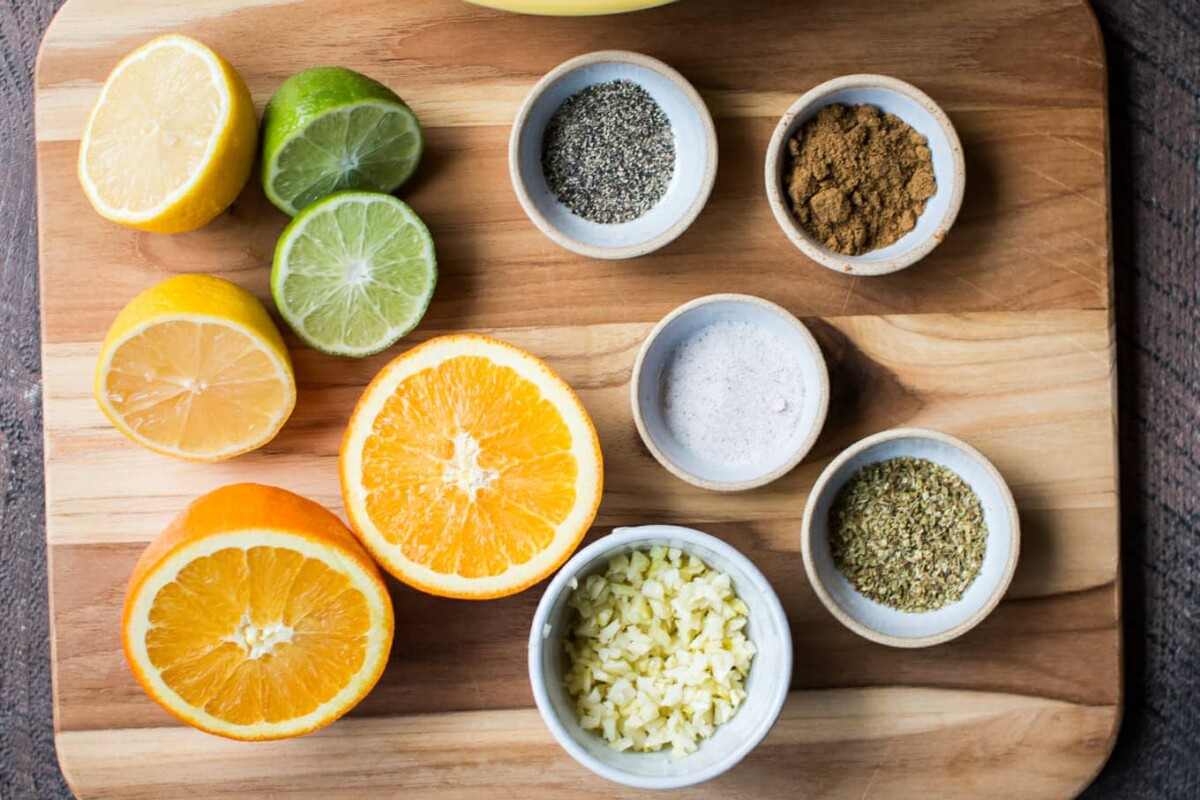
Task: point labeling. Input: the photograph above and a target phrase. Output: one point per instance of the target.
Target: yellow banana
(570, 8)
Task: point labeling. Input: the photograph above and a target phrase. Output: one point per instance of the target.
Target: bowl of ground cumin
(865, 174)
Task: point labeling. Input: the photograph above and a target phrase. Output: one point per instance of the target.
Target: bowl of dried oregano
(910, 537)
(865, 174)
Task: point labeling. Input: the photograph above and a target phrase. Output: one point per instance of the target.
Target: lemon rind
(220, 129)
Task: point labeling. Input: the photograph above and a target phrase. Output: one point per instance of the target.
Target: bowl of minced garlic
(659, 657)
(865, 174)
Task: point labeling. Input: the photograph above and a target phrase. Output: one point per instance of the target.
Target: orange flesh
(468, 468)
(265, 634)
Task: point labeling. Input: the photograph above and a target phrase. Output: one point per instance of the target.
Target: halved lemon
(470, 469)
(171, 139)
(195, 368)
(256, 615)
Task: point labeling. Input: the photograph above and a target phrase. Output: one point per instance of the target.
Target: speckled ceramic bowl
(927, 118)
(695, 156)
(878, 622)
(646, 391)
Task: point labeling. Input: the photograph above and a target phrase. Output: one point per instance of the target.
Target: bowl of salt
(729, 392)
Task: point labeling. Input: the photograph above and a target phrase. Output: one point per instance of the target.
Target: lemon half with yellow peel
(195, 368)
(171, 140)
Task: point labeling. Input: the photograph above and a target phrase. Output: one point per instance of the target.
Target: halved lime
(354, 272)
(329, 129)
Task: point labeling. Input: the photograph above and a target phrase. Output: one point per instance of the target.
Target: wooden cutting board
(1003, 337)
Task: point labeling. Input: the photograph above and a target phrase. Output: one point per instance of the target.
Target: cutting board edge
(67, 742)
(1117, 708)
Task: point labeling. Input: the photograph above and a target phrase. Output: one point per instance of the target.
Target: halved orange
(256, 614)
(470, 469)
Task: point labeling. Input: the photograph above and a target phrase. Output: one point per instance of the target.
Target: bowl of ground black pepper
(865, 174)
(613, 154)
(910, 537)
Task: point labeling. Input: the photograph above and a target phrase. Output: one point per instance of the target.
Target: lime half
(354, 272)
(329, 129)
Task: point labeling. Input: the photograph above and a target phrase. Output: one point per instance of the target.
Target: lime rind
(354, 273)
(328, 129)
(363, 146)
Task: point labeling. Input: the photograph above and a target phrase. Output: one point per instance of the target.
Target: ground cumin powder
(858, 178)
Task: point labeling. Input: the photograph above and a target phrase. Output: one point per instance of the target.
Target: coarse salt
(732, 393)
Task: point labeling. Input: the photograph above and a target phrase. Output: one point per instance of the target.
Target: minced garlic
(658, 653)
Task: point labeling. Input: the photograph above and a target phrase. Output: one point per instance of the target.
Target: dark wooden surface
(1154, 62)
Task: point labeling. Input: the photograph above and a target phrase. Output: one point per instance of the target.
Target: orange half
(470, 469)
(256, 615)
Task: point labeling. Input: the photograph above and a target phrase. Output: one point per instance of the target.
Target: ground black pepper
(608, 153)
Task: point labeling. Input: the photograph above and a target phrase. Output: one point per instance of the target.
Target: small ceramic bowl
(927, 118)
(695, 156)
(766, 685)
(646, 391)
(878, 622)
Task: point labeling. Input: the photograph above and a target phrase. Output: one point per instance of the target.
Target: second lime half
(354, 272)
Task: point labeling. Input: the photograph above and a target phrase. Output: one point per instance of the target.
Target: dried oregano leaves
(908, 533)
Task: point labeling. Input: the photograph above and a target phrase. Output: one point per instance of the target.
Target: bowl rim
(795, 231)
(622, 537)
(804, 447)
(821, 487)
(556, 234)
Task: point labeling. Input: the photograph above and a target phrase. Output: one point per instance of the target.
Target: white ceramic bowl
(927, 118)
(766, 685)
(695, 156)
(683, 322)
(878, 622)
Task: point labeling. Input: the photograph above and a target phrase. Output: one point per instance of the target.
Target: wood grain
(1032, 233)
(1002, 337)
(861, 743)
